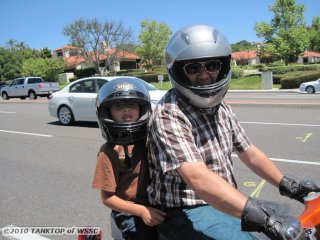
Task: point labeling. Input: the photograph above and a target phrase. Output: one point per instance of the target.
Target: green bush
(237, 72)
(291, 68)
(295, 81)
(87, 72)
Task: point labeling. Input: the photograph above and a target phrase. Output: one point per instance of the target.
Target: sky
(40, 23)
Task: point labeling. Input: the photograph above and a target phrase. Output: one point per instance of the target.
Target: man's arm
(261, 165)
(212, 188)
(221, 195)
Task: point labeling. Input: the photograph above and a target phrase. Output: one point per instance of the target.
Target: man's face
(202, 73)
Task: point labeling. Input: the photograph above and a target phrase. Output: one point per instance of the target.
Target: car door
(82, 100)
(16, 87)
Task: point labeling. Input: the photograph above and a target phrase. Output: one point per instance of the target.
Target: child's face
(125, 112)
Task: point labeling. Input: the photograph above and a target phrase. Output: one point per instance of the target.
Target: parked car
(310, 87)
(31, 87)
(77, 100)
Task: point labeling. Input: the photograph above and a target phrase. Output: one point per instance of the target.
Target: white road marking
(26, 133)
(283, 124)
(288, 160)
(6, 112)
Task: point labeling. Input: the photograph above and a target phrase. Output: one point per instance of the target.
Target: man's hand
(292, 189)
(257, 217)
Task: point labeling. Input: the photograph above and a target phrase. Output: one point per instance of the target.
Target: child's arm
(150, 216)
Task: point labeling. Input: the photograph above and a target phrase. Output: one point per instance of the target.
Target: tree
(10, 65)
(242, 46)
(286, 35)
(44, 53)
(99, 40)
(314, 31)
(47, 68)
(153, 38)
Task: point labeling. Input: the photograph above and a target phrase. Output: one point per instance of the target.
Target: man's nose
(203, 74)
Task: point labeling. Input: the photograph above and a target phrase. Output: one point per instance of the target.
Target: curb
(273, 90)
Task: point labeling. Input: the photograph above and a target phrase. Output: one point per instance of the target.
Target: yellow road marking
(250, 184)
(308, 135)
(257, 191)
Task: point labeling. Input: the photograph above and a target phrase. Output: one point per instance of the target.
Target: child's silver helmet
(128, 90)
(199, 42)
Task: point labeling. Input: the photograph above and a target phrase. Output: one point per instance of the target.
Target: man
(192, 135)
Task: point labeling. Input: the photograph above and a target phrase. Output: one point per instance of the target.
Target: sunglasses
(211, 66)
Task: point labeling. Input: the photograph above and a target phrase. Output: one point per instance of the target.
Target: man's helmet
(127, 90)
(200, 43)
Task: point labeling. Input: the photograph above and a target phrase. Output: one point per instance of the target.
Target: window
(86, 86)
(101, 82)
(15, 82)
(21, 81)
(35, 80)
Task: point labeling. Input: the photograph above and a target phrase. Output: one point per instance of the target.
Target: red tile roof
(244, 55)
(311, 54)
(74, 60)
(65, 47)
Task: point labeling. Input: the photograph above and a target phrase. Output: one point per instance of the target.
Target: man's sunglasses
(211, 66)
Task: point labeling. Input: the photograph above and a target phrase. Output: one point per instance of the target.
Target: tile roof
(74, 60)
(65, 47)
(311, 54)
(244, 55)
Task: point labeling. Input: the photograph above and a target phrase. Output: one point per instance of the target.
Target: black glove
(292, 189)
(257, 217)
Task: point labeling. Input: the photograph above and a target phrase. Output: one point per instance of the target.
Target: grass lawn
(244, 83)
(249, 83)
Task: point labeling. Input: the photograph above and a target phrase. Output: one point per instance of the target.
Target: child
(123, 111)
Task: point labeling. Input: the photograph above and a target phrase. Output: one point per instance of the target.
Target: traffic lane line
(26, 133)
(282, 124)
(287, 160)
(274, 102)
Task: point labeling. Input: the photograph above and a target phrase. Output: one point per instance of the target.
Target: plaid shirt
(181, 133)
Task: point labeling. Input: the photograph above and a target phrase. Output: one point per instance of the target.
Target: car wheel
(310, 89)
(5, 96)
(65, 115)
(32, 95)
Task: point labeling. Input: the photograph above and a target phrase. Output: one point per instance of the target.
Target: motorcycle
(310, 218)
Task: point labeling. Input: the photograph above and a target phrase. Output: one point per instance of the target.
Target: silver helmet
(123, 89)
(202, 43)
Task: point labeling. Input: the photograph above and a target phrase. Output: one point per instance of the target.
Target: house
(74, 59)
(309, 57)
(249, 57)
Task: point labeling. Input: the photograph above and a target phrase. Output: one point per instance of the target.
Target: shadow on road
(76, 124)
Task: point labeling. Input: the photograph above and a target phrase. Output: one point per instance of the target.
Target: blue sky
(39, 23)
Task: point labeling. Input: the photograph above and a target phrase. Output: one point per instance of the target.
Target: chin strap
(127, 157)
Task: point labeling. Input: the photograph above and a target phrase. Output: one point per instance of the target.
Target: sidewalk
(273, 90)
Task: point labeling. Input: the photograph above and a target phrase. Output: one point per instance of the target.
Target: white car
(310, 87)
(77, 100)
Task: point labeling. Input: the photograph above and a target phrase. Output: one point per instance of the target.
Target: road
(46, 169)
(278, 97)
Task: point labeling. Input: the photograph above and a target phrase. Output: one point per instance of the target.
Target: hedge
(290, 68)
(295, 81)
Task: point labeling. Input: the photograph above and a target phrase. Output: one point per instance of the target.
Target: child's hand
(152, 216)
